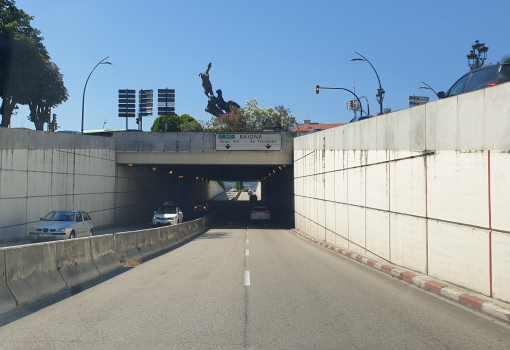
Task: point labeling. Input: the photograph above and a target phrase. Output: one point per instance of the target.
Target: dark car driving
(478, 79)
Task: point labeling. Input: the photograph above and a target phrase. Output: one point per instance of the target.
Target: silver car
(62, 224)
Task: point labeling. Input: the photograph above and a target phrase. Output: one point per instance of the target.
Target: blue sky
(275, 51)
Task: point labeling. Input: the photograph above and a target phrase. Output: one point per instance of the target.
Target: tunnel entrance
(153, 184)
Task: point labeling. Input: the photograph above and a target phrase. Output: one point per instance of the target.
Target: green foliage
(27, 76)
(255, 118)
(505, 59)
(222, 184)
(176, 123)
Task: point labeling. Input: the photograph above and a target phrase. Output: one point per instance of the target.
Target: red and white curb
(496, 309)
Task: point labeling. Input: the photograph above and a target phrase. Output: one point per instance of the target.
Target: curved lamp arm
(83, 100)
(379, 80)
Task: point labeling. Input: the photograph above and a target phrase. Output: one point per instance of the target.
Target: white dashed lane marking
(247, 241)
(247, 252)
(246, 278)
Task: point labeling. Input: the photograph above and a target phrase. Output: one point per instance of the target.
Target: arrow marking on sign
(227, 146)
(268, 146)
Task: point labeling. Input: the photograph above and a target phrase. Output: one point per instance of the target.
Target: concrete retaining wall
(426, 188)
(32, 272)
(43, 171)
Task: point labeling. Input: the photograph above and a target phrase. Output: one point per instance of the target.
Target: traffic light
(316, 89)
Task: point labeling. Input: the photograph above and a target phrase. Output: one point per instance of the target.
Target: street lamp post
(477, 60)
(380, 91)
(83, 100)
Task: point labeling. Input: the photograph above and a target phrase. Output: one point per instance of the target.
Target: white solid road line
(247, 252)
(246, 278)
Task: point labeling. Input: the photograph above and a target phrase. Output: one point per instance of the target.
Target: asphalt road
(249, 286)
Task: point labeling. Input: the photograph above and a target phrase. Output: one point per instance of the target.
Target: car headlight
(33, 229)
(60, 230)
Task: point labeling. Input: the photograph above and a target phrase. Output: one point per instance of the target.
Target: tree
(254, 118)
(175, 123)
(505, 59)
(26, 74)
(48, 91)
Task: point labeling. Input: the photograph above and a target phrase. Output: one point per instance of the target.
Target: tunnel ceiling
(218, 172)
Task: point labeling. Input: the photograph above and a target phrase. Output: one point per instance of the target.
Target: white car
(260, 213)
(62, 224)
(250, 193)
(167, 215)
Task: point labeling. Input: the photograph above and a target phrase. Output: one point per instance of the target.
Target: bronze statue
(212, 108)
(215, 105)
(206, 84)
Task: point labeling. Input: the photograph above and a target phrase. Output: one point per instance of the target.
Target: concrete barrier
(74, 261)
(103, 253)
(7, 301)
(144, 243)
(126, 245)
(155, 240)
(31, 272)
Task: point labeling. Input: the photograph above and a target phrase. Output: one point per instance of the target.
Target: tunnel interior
(186, 184)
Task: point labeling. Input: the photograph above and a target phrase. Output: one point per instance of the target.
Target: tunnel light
(130, 164)
(280, 167)
(180, 176)
(196, 178)
(154, 169)
(269, 174)
(274, 172)
(170, 172)
(202, 179)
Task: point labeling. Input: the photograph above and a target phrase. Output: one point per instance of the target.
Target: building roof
(308, 127)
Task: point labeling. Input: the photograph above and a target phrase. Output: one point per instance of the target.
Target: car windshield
(59, 216)
(201, 203)
(167, 209)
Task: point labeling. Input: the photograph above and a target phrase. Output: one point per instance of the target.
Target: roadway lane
(258, 287)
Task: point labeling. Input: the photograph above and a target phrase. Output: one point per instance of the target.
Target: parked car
(167, 215)
(62, 224)
(201, 206)
(253, 198)
(478, 79)
(260, 213)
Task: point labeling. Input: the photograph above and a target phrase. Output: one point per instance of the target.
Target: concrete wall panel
(496, 124)
(458, 187)
(408, 242)
(356, 186)
(470, 121)
(500, 264)
(446, 124)
(13, 184)
(500, 191)
(377, 232)
(330, 215)
(342, 220)
(408, 187)
(357, 225)
(459, 254)
(377, 190)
